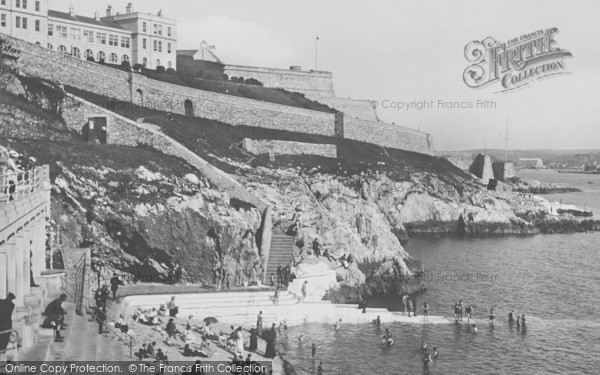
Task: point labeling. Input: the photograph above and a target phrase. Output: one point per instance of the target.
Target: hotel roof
(88, 20)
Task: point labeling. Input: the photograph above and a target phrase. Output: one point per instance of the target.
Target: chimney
(97, 16)
(129, 8)
(71, 11)
(109, 11)
(160, 13)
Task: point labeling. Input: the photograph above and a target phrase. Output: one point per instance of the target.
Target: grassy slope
(210, 138)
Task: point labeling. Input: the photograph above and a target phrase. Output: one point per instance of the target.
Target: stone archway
(189, 108)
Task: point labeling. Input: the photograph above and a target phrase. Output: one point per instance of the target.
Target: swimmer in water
(492, 315)
(511, 316)
(426, 359)
(387, 338)
(435, 353)
(423, 346)
(377, 321)
(300, 337)
(320, 369)
(474, 326)
(313, 349)
(338, 325)
(469, 311)
(523, 320)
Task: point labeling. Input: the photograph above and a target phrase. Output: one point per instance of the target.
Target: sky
(411, 50)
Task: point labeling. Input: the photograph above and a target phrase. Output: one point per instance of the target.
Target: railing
(16, 185)
(128, 340)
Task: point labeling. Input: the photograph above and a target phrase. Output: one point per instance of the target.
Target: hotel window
(76, 52)
(76, 34)
(88, 36)
(144, 43)
(159, 29)
(3, 2)
(18, 24)
(37, 6)
(101, 56)
(62, 49)
(113, 40)
(61, 31)
(37, 25)
(155, 46)
(155, 29)
(169, 31)
(88, 54)
(159, 46)
(101, 38)
(3, 20)
(170, 65)
(169, 47)
(144, 62)
(24, 23)
(50, 29)
(50, 46)
(24, 4)
(113, 58)
(17, 3)
(157, 62)
(125, 42)
(125, 58)
(144, 27)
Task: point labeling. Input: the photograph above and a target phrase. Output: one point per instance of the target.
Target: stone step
(75, 341)
(91, 343)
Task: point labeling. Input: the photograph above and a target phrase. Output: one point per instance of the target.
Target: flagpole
(316, 50)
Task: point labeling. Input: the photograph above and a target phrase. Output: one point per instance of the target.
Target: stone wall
(131, 87)
(393, 136)
(120, 130)
(462, 160)
(356, 108)
(264, 146)
(503, 171)
(312, 83)
(41, 62)
(482, 168)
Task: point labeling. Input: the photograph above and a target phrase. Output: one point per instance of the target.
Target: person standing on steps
(276, 297)
(173, 309)
(259, 323)
(304, 290)
(280, 275)
(114, 284)
(101, 318)
(6, 309)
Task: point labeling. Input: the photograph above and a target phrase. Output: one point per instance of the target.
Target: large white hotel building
(140, 38)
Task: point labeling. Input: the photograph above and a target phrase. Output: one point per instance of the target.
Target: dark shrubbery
(212, 77)
(160, 69)
(138, 67)
(126, 65)
(171, 71)
(91, 59)
(253, 82)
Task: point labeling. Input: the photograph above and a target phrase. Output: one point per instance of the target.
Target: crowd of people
(16, 173)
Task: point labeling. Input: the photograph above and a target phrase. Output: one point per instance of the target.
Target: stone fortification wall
(387, 135)
(265, 146)
(314, 84)
(462, 160)
(356, 108)
(40, 62)
(44, 63)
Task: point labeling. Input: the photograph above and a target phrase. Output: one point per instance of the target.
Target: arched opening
(89, 55)
(38, 43)
(101, 56)
(170, 65)
(76, 52)
(139, 97)
(62, 49)
(189, 108)
(157, 63)
(145, 62)
(50, 46)
(113, 58)
(125, 58)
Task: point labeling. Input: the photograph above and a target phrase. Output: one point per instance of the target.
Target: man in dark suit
(6, 309)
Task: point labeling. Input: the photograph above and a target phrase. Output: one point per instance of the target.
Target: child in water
(474, 326)
(320, 369)
(387, 339)
(337, 325)
(435, 353)
(492, 315)
(313, 349)
(377, 321)
(423, 346)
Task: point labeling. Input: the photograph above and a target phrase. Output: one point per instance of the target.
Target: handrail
(131, 339)
(7, 331)
(23, 183)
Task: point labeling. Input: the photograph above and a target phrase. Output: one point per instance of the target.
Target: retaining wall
(356, 108)
(265, 146)
(122, 131)
(315, 84)
(393, 136)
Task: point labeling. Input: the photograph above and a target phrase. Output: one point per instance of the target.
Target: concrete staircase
(81, 342)
(281, 252)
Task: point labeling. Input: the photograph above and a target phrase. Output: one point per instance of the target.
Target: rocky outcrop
(146, 223)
